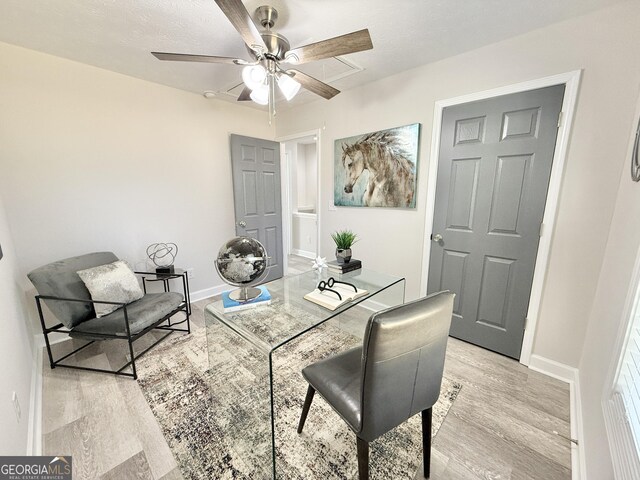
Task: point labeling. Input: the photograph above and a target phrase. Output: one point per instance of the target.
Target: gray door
(256, 195)
(493, 174)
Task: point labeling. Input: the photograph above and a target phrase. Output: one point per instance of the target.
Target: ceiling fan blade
(245, 95)
(314, 85)
(185, 57)
(342, 45)
(239, 17)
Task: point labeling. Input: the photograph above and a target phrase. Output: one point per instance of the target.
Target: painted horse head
(353, 163)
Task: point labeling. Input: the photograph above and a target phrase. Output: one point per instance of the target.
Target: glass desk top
(255, 353)
(290, 315)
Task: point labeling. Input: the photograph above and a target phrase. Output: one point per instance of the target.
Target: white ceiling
(118, 35)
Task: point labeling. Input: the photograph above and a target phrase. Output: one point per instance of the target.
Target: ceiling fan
(270, 50)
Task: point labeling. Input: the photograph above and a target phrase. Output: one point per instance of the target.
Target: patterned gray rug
(201, 407)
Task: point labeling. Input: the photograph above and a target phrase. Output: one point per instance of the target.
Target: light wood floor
(297, 264)
(500, 426)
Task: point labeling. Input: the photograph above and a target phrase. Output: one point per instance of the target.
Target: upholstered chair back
(59, 279)
(402, 362)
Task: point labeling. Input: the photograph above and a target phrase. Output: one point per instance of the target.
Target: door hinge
(541, 232)
(559, 119)
(526, 320)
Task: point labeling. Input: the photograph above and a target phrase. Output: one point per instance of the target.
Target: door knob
(436, 238)
(242, 223)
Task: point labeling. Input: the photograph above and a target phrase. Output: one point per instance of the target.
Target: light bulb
(253, 76)
(288, 86)
(260, 95)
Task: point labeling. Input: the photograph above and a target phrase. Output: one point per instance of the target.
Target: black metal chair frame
(60, 328)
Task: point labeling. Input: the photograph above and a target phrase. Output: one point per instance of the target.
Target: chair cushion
(113, 282)
(338, 379)
(59, 279)
(142, 313)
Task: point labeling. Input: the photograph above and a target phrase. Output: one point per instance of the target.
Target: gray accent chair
(64, 292)
(394, 375)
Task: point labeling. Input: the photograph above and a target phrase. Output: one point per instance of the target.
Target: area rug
(207, 411)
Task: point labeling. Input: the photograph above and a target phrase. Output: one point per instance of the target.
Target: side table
(178, 274)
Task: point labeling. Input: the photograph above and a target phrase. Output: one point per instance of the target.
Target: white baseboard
(303, 253)
(571, 376)
(39, 342)
(578, 458)
(209, 292)
(34, 438)
(553, 369)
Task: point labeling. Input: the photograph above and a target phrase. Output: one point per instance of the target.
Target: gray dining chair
(396, 373)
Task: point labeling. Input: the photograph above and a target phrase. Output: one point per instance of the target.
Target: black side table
(164, 278)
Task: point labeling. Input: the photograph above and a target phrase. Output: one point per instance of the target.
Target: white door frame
(571, 80)
(286, 187)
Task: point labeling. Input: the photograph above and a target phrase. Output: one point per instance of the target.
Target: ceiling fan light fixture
(268, 50)
(254, 76)
(260, 95)
(288, 86)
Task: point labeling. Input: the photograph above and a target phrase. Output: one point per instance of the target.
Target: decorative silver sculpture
(242, 262)
(163, 255)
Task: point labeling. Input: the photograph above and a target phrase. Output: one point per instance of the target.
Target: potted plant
(343, 239)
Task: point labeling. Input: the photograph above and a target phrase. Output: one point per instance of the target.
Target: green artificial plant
(344, 239)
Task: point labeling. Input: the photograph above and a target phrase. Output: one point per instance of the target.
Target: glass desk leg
(243, 403)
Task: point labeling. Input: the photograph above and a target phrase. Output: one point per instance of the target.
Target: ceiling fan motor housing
(277, 45)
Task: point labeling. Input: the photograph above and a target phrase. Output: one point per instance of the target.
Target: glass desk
(250, 338)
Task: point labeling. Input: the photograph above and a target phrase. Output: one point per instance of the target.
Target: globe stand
(245, 294)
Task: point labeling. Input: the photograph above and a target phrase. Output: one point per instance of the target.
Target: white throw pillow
(114, 282)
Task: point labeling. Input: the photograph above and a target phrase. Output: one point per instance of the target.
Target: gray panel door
(256, 195)
(493, 175)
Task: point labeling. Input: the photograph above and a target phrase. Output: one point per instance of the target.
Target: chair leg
(426, 441)
(133, 360)
(305, 409)
(363, 459)
(46, 334)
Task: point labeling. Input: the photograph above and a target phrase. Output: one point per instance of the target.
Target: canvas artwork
(377, 169)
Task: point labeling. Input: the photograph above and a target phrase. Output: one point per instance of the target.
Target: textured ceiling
(118, 35)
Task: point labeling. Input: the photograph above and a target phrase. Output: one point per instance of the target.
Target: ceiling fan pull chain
(272, 98)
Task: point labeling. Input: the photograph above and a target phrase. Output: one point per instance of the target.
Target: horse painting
(391, 169)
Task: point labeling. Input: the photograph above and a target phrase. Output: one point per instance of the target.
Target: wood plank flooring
(297, 264)
(500, 426)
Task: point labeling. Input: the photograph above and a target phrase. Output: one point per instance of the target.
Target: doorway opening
(300, 156)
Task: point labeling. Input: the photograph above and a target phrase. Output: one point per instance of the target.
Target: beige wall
(15, 349)
(606, 320)
(599, 44)
(94, 160)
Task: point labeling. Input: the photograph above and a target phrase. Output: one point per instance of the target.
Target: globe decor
(242, 262)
